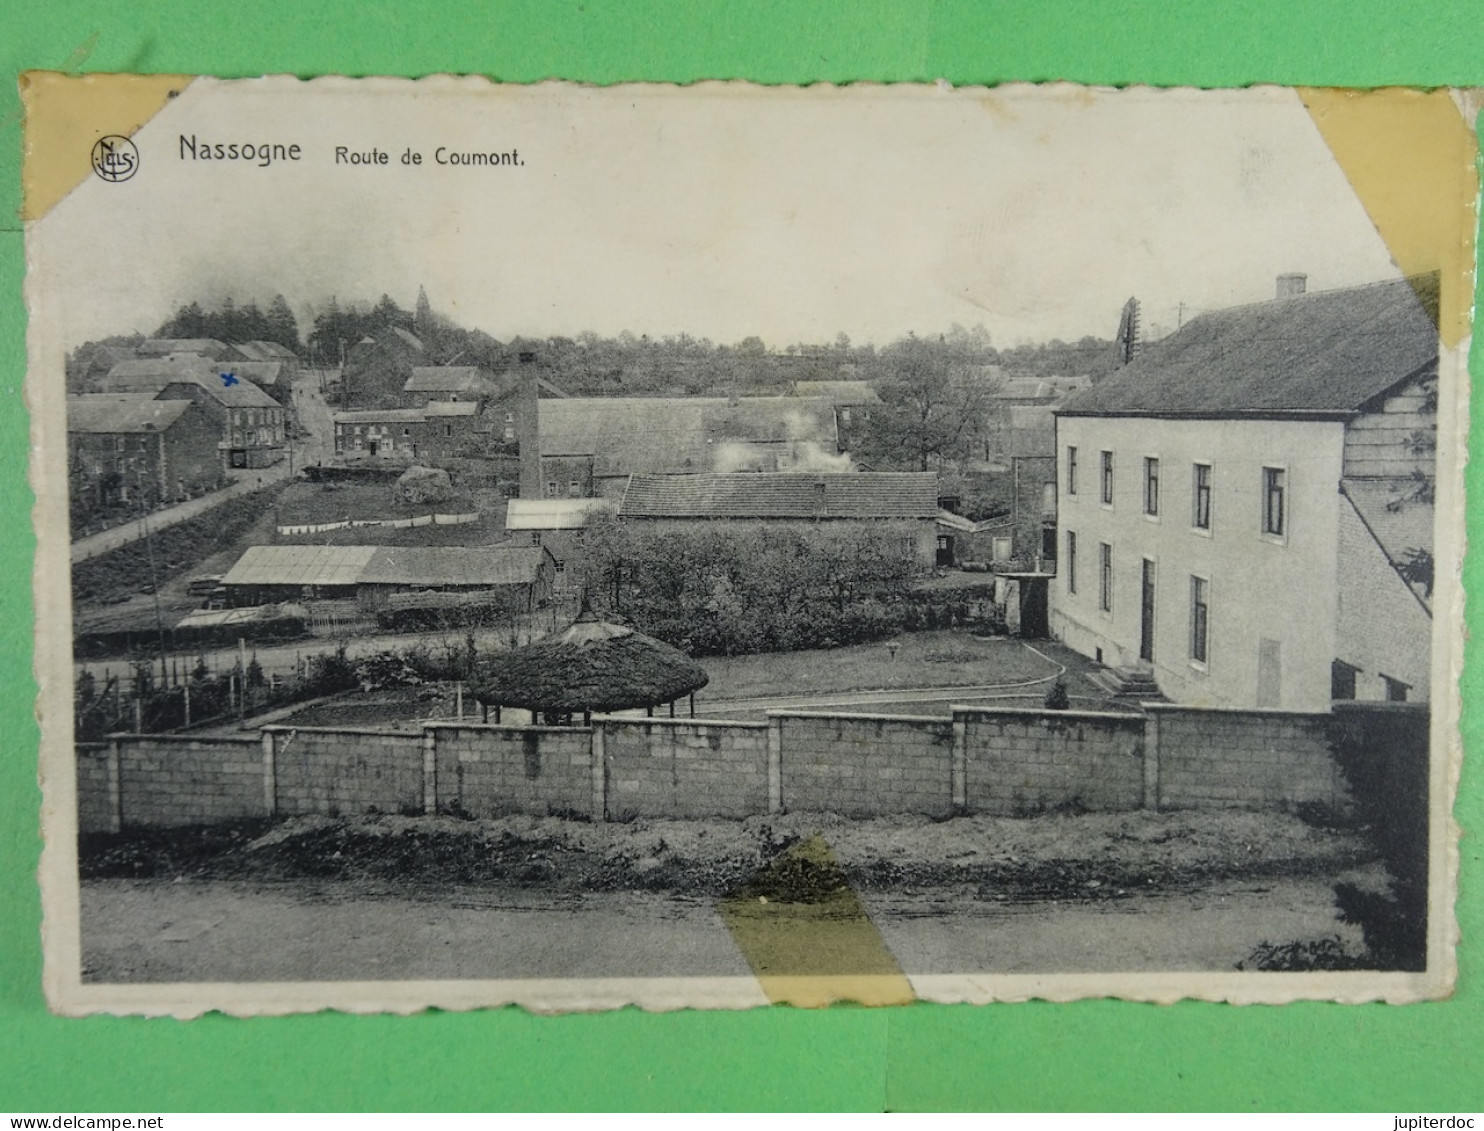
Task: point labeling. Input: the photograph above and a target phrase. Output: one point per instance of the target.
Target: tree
(282, 327)
(930, 402)
(422, 317)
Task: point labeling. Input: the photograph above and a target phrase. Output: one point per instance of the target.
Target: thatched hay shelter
(592, 666)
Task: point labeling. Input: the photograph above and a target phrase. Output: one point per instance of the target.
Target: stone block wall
(863, 766)
(674, 768)
(1028, 761)
(489, 771)
(97, 795)
(1245, 759)
(170, 780)
(340, 771)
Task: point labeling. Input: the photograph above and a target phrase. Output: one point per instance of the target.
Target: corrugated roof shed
(108, 413)
(1323, 352)
(865, 495)
(553, 514)
(300, 565)
(151, 374)
(258, 350)
(447, 566)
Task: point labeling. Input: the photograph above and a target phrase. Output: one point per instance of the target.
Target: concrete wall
(982, 760)
(320, 770)
(684, 768)
(865, 765)
(1245, 759)
(490, 771)
(1266, 596)
(1029, 761)
(166, 780)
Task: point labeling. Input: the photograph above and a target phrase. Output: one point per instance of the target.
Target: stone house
(1245, 510)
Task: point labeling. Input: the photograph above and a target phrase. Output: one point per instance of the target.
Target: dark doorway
(1146, 614)
(1035, 620)
(945, 551)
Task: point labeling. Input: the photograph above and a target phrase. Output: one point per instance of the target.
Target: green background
(1090, 1055)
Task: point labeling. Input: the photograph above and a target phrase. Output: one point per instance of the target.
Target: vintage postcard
(721, 545)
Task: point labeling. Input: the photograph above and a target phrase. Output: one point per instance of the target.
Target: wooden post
(1151, 760)
(115, 787)
(959, 767)
(672, 708)
(692, 704)
(185, 693)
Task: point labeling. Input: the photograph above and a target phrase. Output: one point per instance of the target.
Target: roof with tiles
(446, 379)
(108, 413)
(861, 495)
(1325, 352)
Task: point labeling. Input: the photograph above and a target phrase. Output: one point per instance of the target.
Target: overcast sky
(792, 215)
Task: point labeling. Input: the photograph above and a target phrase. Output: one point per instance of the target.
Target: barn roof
(1323, 352)
(452, 408)
(236, 393)
(865, 495)
(122, 412)
(467, 567)
(426, 566)
(259, 350)
(300, 565)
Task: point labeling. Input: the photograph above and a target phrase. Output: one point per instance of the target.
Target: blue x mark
(229, 379)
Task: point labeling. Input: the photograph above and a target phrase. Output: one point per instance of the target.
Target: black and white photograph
(719, 545)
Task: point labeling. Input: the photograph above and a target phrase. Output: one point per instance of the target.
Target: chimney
(1291, 284)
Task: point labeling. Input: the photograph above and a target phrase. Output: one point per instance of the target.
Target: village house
(252, 427)
(440, 430)
(376, 369)
(908, 500)
(251, 423)
(209, 348)
(559, 526)
(125, 448)
(1245, 509)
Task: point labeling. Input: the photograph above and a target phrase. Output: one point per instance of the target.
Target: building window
(551, 489)
(1200, 513)
(844, 416)
(1200, 595)
(407, 431)
(1342, 680)
(1105, 577)
(1396, 690)
(1151, 485)
(1071, 470)
(1274, 513)
(1107, 479)
(574, 490)
(535, 537)
(1071, 561)
(448, 429)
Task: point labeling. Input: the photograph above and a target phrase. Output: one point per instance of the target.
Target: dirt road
(161, 931)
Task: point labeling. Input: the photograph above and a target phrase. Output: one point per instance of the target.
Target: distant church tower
(1128, 332)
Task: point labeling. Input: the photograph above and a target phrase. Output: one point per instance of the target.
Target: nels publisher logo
(115, 158)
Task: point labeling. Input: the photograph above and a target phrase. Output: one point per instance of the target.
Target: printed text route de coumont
(266, 153)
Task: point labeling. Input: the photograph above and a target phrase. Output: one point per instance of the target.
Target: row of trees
(233, 323)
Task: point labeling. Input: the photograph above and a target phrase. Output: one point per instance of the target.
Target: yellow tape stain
(1410, 157)
(66, 116)
(807, 935)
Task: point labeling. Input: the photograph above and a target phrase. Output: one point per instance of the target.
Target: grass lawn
(923, 659)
